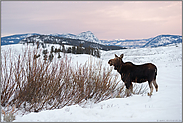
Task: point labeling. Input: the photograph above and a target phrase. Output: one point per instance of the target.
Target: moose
(135, 73)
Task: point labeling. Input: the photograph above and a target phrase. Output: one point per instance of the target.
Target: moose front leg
(129, 89)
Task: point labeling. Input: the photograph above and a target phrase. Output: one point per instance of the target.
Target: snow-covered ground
(163, 106)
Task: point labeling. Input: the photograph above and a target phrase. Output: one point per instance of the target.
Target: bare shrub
(7, 81)
(9, 115)
(140, 89)
(95, 82)
(33, 84)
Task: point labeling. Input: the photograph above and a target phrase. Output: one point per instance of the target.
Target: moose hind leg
(151, 88)
(155, 85)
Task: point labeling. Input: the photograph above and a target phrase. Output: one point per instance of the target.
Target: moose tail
(155, 73)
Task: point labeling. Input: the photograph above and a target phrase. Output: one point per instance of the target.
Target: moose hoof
(149, 94)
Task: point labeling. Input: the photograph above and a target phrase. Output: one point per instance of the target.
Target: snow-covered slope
(126, 43)
(163, 40)
(164, 105)
(87, 36)
(64, 35)
(15, 39)
(50, 39)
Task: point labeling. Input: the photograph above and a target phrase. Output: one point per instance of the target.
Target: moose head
(116, 62)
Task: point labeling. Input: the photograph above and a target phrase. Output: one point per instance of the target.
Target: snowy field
(163, 106)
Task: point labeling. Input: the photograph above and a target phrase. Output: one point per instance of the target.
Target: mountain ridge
(87, 36)
(15, 39)
(67, 41)
(160, 40)
(163, 40)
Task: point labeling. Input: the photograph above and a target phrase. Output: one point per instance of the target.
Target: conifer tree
(59, 55)
(73, 50)
(69, 50)
(52, 49)
(63, 48)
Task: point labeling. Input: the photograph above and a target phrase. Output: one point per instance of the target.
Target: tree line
(80, 50)
(74, 50)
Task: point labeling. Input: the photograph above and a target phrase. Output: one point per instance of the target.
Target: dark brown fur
(135, 73)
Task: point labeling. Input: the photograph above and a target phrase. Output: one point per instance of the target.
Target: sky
(106, 19)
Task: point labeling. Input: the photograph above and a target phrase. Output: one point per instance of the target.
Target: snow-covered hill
(163, 40)
(164, 105)
(15, 39)
(126, 43)
(87, 36)
(160, 40)
(50, 39)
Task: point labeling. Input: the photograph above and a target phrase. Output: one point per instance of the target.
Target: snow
(163, 106)
(11, 41)
(88, 36)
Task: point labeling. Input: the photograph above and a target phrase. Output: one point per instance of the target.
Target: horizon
(107, 20)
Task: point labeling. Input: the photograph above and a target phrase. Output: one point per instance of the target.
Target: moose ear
(121, 56)
(116, 55)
